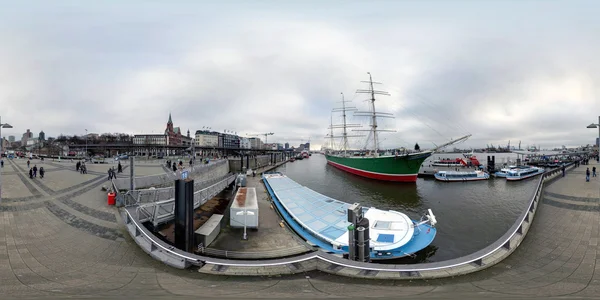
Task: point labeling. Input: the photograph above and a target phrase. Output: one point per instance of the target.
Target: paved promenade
(59, 239)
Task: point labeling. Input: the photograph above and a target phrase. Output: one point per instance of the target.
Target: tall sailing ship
(402, 167)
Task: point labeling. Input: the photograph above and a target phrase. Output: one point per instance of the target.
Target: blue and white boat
(502, 173)
(523, 172)
(323, 221)
(452, 176)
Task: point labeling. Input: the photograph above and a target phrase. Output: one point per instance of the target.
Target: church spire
(170, 121)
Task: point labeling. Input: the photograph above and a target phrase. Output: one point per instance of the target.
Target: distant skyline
(499, 70)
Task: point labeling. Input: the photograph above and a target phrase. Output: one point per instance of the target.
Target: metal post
(245, 218)
(361, 243)
(184, 215)
(86, 135)
(131, 173)
(351, 243)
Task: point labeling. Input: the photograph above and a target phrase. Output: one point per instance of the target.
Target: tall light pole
(5, 125)
(85, 157)
(598, 126)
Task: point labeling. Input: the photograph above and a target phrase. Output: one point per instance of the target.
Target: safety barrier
(158, 179)
(163, 211)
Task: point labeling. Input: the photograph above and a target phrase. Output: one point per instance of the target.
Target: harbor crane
(262, 134)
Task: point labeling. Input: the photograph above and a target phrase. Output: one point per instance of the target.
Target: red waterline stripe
(378, 176)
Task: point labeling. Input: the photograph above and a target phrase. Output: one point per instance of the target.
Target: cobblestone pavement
(59, 239)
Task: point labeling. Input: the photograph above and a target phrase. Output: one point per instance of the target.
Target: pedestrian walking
(28, 163)
(34, 171)
(77, 166)
(594, 172)
(42, 172)
(119, 168)
(587, 175)
(174, 167)
(30, 173)
(563, 171)
(110, 174)
(1, 163)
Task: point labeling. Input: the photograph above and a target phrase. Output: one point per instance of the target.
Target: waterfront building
(287, 146)
(150, 139)
(229, 141)
(245, 143)
(256, 143)
(207, 139)
(11, 138)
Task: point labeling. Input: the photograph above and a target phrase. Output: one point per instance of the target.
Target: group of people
(33, 171)
(112, 173)
(80, 166)
(587, 173)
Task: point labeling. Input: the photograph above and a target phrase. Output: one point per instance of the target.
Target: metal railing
(163, 211)
(137, 197)
(287, 252)
(158, 179)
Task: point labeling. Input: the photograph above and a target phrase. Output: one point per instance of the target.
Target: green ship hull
(403, 168)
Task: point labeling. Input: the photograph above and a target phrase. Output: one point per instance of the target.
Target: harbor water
(470, 215)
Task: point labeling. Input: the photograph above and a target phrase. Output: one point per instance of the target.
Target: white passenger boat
(523, 173)
(502, 173)
(458, 162)
(323, 221)
(461, 176)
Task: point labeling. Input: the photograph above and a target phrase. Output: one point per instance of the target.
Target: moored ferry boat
(459, 162)
(502, 173)
(323, 221)
(461, 176)
(523, 173)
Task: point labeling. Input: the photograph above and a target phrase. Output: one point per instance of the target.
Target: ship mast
(344, 125)
(331, 134)
(373, 113)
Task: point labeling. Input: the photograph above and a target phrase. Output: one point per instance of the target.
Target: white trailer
(244, 209)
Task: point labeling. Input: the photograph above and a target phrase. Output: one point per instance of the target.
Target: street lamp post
(5, 125)
(597, 126)
(86, 153)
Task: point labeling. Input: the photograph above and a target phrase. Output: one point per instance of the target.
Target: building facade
(207, 139)
(26, 136)
(229, 141)
(11, 138)
(256, 143)
(245, 143)
(150, 139)
(287, 146)
(173, 133)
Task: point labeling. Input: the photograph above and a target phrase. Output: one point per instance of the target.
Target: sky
(501, 71)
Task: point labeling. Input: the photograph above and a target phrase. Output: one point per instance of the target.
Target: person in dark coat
(42, 172)
(77, 165)
(30, 173)
(594, 172)
(119, 168)
(174, 167)
(587, 175)
(34, 171)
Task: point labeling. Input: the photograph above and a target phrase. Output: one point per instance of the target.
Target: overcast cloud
(500, 70)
